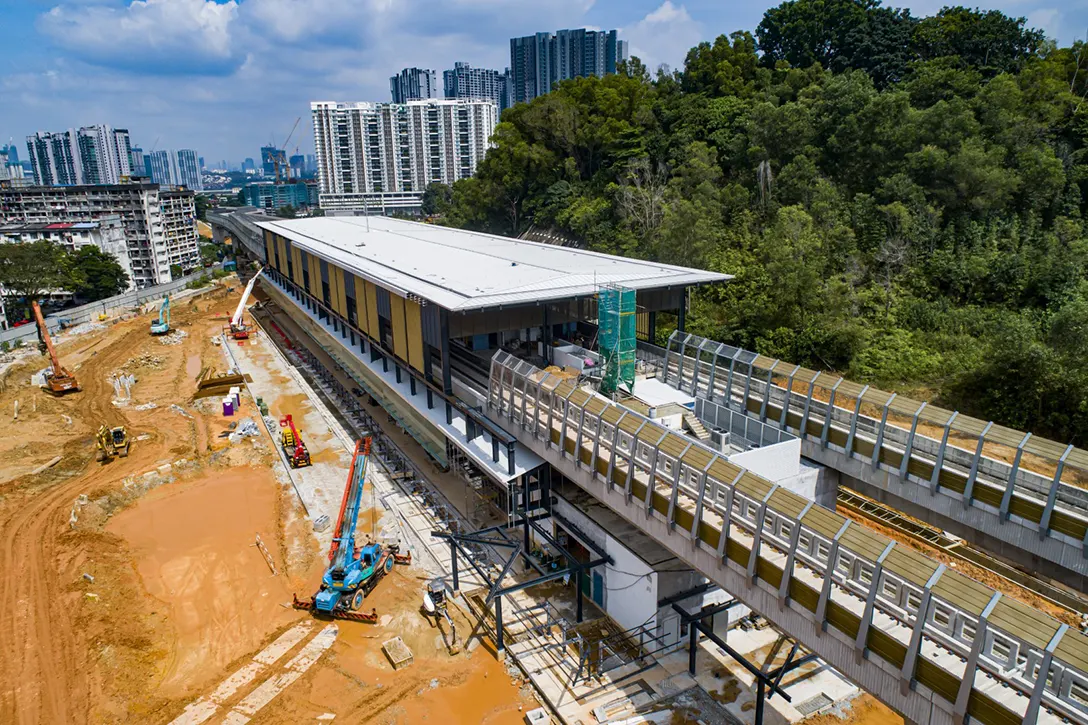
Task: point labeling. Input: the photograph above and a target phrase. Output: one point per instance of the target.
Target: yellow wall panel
(360, 306)
(268, 242)
(281, 247)
(413, 323)
(341, 293)
(372, 311)
(400, 335)
(296, 261)
(332, 287)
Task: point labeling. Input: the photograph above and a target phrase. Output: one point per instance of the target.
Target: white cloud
(165, 36)
(1049, 20)
(664, 36)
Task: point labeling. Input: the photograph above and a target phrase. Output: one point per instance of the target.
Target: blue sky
(226, 76)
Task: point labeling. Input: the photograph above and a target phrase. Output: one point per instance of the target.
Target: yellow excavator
(111, 442)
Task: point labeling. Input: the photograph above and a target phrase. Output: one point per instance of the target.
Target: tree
(210, 253)
(96, 275)
(201, 207)
(838, 35)
(436, 198)
(175, 271)
(286, 212)
(989, 40)
(31, 269)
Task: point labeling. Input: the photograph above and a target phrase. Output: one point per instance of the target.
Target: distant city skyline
(220, 59)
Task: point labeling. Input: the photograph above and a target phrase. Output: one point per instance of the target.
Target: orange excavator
(58, 380)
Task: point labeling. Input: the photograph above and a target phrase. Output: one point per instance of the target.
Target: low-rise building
(159, 222)
(275, 196)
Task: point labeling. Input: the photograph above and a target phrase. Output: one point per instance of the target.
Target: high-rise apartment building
(160, 223)
(136, 161)
(298, 166)
(383, 155)
(413, 84)
(174, 168)
(12, 152)
(464, 81)
(539, 61)
(92, 155)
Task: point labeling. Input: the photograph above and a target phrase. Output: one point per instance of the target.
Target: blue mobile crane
(352, 573)
(161, 326)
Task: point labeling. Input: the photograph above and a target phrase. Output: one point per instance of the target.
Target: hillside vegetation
(900, 199)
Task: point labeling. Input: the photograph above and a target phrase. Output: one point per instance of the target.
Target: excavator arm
(43, 335)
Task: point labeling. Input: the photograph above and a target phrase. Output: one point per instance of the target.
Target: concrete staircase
(696, 427)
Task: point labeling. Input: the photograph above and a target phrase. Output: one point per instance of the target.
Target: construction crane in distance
(274, 157)
(58, 380)
(161, 326)
(352, 573)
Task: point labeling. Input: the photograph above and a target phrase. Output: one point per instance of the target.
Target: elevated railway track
(1018, 496)
(930, 642)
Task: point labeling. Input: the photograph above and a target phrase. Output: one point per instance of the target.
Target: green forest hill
(900, 199)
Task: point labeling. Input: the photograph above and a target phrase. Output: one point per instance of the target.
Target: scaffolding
(616, 341)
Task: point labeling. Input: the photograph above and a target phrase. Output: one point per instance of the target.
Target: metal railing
(890, 432)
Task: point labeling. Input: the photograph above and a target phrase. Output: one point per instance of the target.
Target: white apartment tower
(375, 156)
(92, 155)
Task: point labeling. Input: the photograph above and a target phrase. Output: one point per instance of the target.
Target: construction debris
(146, 360)
(398, 653)
(246, 428)
(146, 406)
(173, 338)
(267, 556)
(178, 409)
(44, 466)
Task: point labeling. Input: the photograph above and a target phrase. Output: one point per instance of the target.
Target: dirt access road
(50, 635)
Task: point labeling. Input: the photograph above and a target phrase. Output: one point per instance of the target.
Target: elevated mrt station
(416, 312)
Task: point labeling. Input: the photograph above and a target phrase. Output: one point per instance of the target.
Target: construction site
(396, 473)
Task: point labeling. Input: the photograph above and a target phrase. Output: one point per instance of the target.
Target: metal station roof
(464, 270)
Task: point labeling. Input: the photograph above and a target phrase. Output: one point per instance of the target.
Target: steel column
(727, 518)
(861, 642)
(910, 442)
(1031, 717)
(910, 662)
(786, 403)
(1052, 497)
(828, 413)
(1006, 498)
(652, 481)
(880, 433)
(968, 681)
(808, 405)
(767, 393)
(757, 541)
(969, 489)
(829, 575)
(700, 501)
(614, 450)
(935, 479)
(677, 466)
(787, 570)
(631, 455)
(854, 424)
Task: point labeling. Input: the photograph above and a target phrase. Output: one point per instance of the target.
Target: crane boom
(236, 321)
(343, 537)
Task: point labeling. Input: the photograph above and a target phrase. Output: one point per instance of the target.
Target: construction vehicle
(238, 329)
(58, 380)
(161, 326)
(436, 605)
(293, 447)
(352, 573)
(111, 442)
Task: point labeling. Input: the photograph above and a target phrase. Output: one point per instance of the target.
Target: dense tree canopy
(900, 199)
